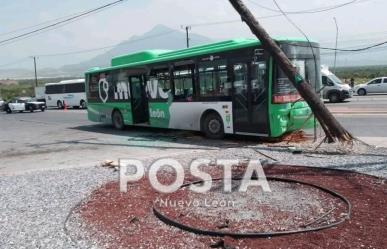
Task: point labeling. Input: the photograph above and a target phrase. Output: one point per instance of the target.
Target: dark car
(24, 104)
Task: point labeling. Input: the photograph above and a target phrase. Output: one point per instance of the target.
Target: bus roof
(155, 56)
(63, 82)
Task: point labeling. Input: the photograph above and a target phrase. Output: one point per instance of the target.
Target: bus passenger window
(214, 81)
(163, 79)
(258, 79)
(183, 83)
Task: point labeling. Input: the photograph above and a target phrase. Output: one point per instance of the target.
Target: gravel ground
(34, 206)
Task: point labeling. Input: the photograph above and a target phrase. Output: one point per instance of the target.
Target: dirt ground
(126, 220)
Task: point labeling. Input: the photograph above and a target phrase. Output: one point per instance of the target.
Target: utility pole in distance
(333, 129)
(36, 75)
(337, 39)
(187, 29)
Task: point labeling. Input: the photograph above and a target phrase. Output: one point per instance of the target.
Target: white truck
(334, 89)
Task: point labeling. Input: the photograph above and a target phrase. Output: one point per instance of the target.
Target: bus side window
(183, 83)
(214, 80)
(163, 79)
(93, 86)
(258, 79)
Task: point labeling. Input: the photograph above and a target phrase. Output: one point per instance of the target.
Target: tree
(334, 131)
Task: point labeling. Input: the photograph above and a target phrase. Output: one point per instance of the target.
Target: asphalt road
(358, 103)
(62, 139)
(365, 117)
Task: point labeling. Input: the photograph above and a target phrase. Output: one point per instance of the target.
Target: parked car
(24, 104)
(377, 85)
(334, 89)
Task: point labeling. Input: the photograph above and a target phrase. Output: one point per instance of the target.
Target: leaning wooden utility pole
(332, 128)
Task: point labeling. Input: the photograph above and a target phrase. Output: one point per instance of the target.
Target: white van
(66, 93)
(334, 89)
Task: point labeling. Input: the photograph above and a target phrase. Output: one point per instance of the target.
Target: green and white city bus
(230, 87)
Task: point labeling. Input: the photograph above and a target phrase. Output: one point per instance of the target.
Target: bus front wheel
(213, 126)
(118, 120)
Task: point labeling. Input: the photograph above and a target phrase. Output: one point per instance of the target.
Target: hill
(159, 37)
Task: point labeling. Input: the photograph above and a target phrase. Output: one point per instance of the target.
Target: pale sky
(361, 23)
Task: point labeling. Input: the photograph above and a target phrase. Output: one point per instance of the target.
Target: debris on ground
(112, 164)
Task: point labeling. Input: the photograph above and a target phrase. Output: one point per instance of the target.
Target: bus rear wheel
(118, 120)
(212, 126)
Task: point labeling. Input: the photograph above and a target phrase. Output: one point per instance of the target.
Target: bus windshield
(308, 65)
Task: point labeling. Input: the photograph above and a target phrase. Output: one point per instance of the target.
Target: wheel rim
(117, 120)
(214, 126)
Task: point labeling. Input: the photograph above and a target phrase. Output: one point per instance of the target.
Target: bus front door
(250, 103)
(139, 101)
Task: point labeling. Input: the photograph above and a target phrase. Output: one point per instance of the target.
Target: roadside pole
(187, 28)
(36, 75)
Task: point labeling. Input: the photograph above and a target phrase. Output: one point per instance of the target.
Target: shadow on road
(151, 137)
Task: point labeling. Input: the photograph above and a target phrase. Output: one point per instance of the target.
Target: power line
(378, 49)
(347, 50)
(109, 46)
(313, 53)
(2, 42)
(92, 49)
(310, 11)
(337, 38)
(39, 24)
(368, 47)
(14, 62)
(52, 28)
(229, 21)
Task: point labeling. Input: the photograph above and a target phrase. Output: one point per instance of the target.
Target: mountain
(159, 37)
(162, 37)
